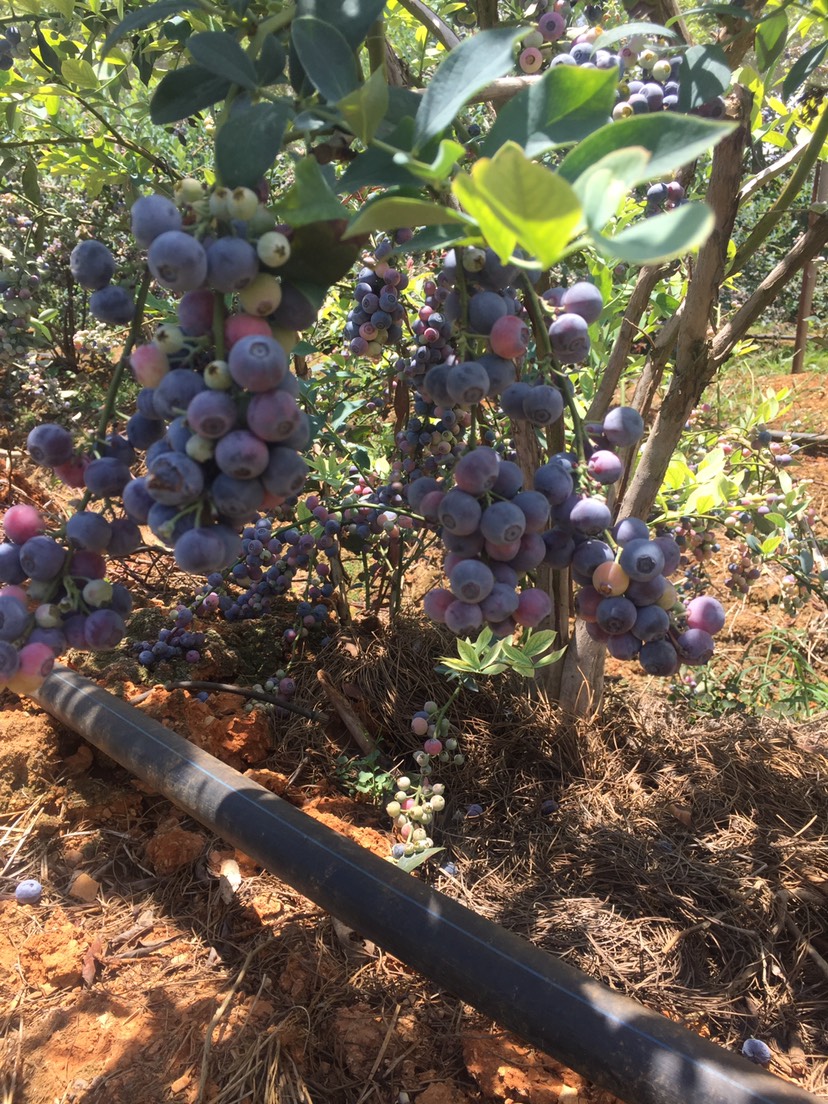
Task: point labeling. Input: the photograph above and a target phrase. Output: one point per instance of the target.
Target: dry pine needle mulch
(685, 861)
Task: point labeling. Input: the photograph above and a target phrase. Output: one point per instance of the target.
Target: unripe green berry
(187, 190)
(218, 203)
(200, 448)
(273, 249)
(217, 375)
(97, 592)
(242, 203)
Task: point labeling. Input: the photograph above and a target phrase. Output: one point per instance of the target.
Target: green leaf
(411, 862)
(440, 237)
(770, 38)
(48, 56)
(185, 92)
(79, 72)
(144, 16)
(444, 163)
(310, 199)
(704, 75)
(516, 201)
(564, 106)
(802, 69)
(392, 212)
(602, 188)
(220, 54)
(325, 56)
(364, 108)
(478, 60)
(629, 30)
(30, 182)
(270, 64)
(536, 642)
(377, 167)
(660, 238)
(672, 140)
(249, 142)
(468, 655)
(352, 17)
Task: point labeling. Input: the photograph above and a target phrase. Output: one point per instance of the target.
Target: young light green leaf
(468, 654)
(672, 141)
(536, 642)
(249, 142)
(630, 30)
(602, 188)
(444, 163)
(411, 862)
(311, 198)
(390, 212)
(770, 38)
(478, 60)
(326, 57)
(79, 72)
(704, 75)
(660, 238)
(565, 105)
(364, 108)
(220, 54)
(515, 200)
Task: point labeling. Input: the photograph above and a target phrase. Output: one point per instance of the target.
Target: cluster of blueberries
(55, 593)
(217, 414)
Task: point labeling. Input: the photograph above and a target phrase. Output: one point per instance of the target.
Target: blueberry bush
(384, 281)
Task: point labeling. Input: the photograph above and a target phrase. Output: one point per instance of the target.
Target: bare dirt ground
(682, 861)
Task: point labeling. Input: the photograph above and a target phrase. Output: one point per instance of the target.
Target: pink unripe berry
(238, 326)
(509, 337)
(531, 60)
(149, 364)
(21, 522)
(432, 747)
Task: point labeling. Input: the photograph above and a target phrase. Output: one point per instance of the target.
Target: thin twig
(242, 691)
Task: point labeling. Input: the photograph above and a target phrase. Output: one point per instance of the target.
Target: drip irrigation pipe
(609, 1038)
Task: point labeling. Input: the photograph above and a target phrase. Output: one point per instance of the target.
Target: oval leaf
(249, 142)
(185, 92)
(660, 238)
(672, 140)
(516, 200)
(478, 60)
(771, 36)
(353, 18)
(802, 68)
(392, 212)
(325, 56)
(629, 30)
(79, 72)
(221, 55)
(704, 75)
(564, 106)
(602, 188)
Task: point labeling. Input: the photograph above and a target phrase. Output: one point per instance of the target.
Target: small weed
(364, 777)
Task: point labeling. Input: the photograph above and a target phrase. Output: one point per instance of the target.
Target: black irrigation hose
(610, 1039)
